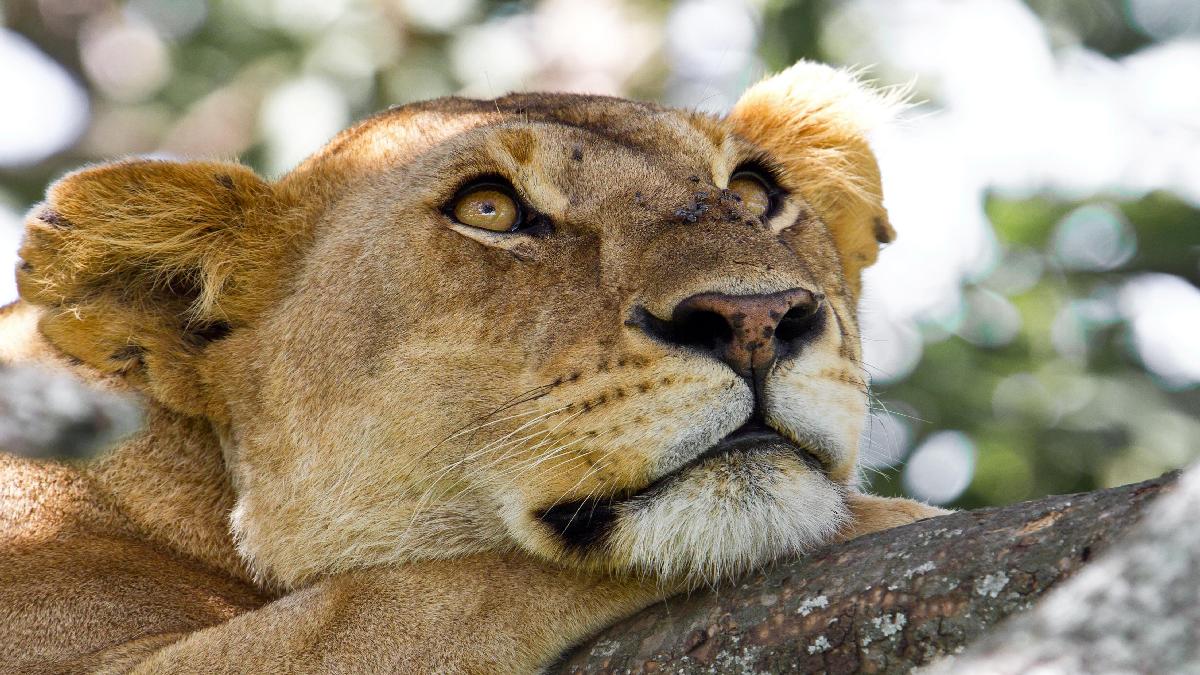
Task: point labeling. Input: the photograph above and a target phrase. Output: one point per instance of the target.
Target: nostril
(800, 321)
(696, 328)
(701, 328)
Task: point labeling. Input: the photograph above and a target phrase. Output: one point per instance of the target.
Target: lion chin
(754, 496)
(759, 507)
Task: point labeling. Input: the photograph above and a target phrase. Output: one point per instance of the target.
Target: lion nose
(748, 332)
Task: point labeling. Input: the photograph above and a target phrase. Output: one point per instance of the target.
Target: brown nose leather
(748, 332)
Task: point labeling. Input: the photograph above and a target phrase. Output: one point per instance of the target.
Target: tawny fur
(357, 408)
(833, 167)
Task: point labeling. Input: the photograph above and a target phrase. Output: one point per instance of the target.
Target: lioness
(473, 381)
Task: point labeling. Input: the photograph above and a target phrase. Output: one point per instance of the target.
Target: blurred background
(1036, 327)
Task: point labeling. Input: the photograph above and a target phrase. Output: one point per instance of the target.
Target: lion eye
(752, 190)
(488, 207)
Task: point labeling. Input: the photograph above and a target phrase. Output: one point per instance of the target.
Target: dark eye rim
(528, 221)
(765, 175)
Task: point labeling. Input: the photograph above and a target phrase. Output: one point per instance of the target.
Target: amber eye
(488, 207)
(752, 189)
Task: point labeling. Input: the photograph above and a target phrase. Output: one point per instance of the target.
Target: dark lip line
(746, 438)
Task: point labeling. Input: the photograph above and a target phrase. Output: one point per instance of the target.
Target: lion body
(117, 557)
(367, 425)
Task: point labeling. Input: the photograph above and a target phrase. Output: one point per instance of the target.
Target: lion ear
(814, 121)
(140, 265)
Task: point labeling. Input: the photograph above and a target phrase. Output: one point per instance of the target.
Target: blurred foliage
(1045, 422)
(1064, 404)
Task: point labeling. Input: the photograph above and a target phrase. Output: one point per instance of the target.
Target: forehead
(524, 127)
(641, 128)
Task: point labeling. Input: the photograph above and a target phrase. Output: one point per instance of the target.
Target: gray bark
(1134, 610)
(887, 602)
(46, 414)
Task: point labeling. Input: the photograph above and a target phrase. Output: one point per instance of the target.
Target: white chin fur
(727, 516)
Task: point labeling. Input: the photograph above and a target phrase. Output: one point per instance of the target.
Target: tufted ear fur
(140, 265)
(814, 119)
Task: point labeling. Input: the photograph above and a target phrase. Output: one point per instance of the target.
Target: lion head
(611, 334)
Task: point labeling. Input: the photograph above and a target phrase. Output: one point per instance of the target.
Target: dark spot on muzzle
(581, 524)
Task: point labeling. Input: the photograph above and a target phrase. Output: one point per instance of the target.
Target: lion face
(613, 335)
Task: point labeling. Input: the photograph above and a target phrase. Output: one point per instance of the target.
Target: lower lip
(756, 439)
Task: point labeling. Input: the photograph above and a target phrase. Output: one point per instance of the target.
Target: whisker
(882, 406)
(579, 508)
(533, 463)
(500, 442)
(596, 466)
(427, 496)
(488, 424)
(519, 399)
(514, 448)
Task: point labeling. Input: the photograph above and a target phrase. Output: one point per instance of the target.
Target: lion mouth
(753, 436)
(582, 523)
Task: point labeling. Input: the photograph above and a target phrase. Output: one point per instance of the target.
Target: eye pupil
(487, 206)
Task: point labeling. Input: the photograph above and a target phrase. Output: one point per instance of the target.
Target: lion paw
(869, 513)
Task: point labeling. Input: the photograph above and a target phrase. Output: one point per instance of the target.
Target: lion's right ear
(140, 265)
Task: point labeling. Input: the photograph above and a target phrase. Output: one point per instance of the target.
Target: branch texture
(884, 603)
(47, 414)
(1135, 610)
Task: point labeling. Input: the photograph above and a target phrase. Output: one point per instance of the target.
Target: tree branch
(1135, 610)
(887, 602)
(49, 414)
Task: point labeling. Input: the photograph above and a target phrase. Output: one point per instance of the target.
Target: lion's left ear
(140, 265)
(814, 121)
